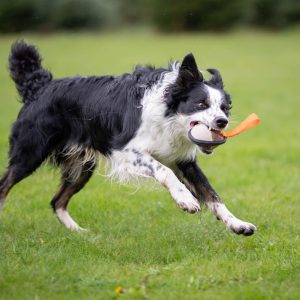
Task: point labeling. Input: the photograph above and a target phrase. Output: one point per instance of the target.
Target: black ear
(216, 78)
(188, 71)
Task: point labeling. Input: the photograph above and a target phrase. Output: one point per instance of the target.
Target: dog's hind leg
(22, 164)
(69, 187)
(28, 149)
(6, 183)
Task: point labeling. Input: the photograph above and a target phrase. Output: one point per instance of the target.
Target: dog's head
(196, 100)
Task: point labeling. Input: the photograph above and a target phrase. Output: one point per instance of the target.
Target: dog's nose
(221, 122)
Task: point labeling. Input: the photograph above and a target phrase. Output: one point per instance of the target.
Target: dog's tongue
(247, 124)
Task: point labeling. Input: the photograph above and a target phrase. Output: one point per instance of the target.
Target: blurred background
(167, 15)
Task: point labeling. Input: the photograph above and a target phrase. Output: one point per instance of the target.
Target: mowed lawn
(137, 238)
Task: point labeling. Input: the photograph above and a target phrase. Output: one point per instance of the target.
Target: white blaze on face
(214, 111)
(207, 116)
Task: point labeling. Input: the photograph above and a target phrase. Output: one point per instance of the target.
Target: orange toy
(248, 123)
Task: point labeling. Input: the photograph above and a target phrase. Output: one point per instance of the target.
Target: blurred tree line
(165, 15)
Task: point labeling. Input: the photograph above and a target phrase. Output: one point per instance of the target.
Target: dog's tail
(26, 70)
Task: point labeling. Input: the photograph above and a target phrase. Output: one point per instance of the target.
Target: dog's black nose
(221, 122)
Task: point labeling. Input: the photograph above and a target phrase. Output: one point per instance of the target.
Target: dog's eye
(203, 105)
(226, 108)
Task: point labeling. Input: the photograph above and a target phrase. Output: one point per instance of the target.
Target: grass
(137, 238)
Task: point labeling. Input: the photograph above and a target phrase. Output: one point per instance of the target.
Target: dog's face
(195, 100)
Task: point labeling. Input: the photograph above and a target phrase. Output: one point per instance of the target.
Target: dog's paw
(241, 227)
(189, 206)
(185, 200)
(76, 228)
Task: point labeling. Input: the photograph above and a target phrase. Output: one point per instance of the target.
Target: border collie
(138, 121)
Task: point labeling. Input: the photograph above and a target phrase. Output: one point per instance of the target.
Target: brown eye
(226, 108)
(203, 105)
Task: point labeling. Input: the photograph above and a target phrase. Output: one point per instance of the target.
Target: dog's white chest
(165, 144)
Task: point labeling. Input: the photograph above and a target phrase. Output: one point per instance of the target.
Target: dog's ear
(188, 71)
(216, 78)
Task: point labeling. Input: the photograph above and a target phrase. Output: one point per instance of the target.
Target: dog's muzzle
(204, 137)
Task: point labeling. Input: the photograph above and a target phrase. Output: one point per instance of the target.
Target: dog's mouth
(194, 123)
(206, 137)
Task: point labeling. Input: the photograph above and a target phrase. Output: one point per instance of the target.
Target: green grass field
(137, 238)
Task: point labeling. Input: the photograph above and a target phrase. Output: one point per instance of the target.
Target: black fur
(216, 79)
(96, 112)
(189, 94)
(27, 72)
(196, 177)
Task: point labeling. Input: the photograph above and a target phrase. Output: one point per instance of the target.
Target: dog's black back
(102, 113)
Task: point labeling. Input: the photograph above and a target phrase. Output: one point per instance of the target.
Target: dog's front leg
(132, 163)
(199, 184)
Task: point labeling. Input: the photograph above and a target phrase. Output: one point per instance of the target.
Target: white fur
(132, 163)
(158, 144)
(161, 140)
(67, 220)
(233, 223)
(75, 158)
(164, 138)
(214, 111)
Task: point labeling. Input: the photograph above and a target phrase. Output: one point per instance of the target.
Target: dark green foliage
(73, 14)
(197, 14)
(20, 15)
(276, 13)
(222, 15)
(167, 15)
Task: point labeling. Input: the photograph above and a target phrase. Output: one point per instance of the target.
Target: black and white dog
(139, 121)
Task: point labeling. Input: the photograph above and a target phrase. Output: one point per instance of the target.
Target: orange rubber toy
(248, 123)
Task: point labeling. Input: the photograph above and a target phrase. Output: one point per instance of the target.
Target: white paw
(185, 200)
(241, 227)
(72, 225)
(77, 228)
(67, 220)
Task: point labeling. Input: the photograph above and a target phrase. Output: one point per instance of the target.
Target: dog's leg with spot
(68, 188)
(199, 183)
(133, 163)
